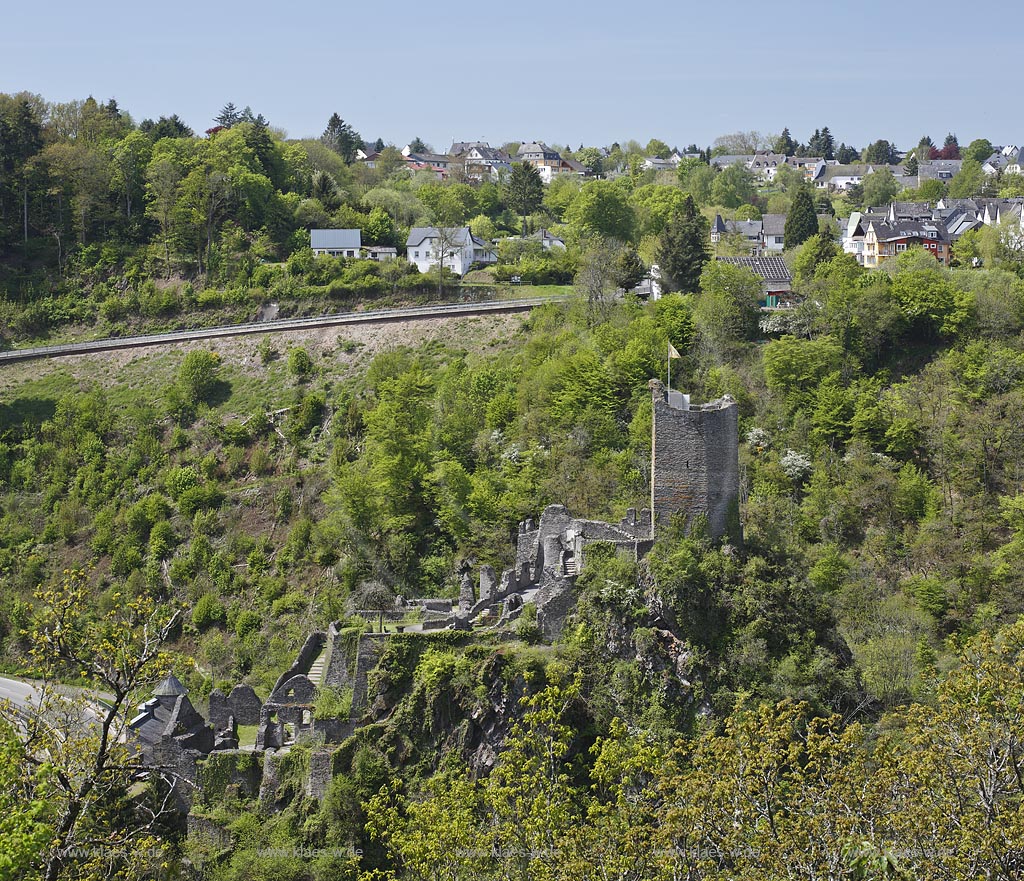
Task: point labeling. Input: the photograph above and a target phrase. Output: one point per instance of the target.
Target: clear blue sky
(563, 72)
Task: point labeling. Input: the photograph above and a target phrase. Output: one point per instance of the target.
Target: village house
(460, 249)
(480, 161)
(336, 242)
(776, 279)
(728, 159)
(839, 178)
(548, 162)
(938, 169)
(749, 231)
(883, 241)
(810, 166)
(773, 228)
(766, 165)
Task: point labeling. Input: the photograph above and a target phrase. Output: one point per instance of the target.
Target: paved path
(19, 693)
(376, 316)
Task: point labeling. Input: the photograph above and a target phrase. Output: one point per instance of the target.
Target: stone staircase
(317, 668)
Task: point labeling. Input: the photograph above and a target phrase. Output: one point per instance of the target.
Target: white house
(336, 242)
(548, 162)
(481, 161)
(462, 249)
(841, 177)
(766, 165)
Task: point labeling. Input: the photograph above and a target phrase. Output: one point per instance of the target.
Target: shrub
(197, 376)
(247, 622)
(300, 364)
(207, 612)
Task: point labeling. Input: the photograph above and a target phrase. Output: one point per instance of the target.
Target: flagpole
(668, 387)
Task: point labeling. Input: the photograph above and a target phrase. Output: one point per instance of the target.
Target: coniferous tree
(784, 143)
(228, 116)
(845, 155)
(683, 248)
(340, 137)
(166, 127)
(416, 145)
(881, 152)
(828, 144)
(802, 221)
(524, 190)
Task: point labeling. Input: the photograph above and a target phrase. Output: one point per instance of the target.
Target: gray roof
(912, 229)
(857, 169)
(439, 159)
(460, 147)
(533, 147)
(774, 224)
(722, 161)
(545, 235)
(749, 229)
(461, 236)
(335, 239)
(938, 169)
(768, 268)
(168, 686)
(489, 154)
(768, 160)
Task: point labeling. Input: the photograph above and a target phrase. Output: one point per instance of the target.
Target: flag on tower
(672, 353)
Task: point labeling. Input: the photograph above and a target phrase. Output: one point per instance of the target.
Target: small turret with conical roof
(169, 686)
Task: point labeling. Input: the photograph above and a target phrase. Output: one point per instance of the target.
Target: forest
(840, 697)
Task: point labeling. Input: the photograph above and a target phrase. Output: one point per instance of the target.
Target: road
(19, 693)
(375, 316)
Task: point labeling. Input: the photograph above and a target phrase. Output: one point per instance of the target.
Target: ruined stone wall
(555, 600)
(371, 646)
(319, 777)
(341, 661)
(695, 464)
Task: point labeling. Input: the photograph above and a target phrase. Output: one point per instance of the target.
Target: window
(901, 246)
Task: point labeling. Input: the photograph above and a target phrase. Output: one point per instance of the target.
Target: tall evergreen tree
(828, 144)
(340, 137)
(784, 143)
(228, 116)
(524, 190)
(822, 144)
(684, 248)
(845, 155)
(802, 221)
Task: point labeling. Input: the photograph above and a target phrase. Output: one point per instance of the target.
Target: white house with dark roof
(766, 165)
(549, 163)
(841, 177)
(336, 242)
(461, 250)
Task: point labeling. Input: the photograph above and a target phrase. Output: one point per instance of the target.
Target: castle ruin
(695, 462)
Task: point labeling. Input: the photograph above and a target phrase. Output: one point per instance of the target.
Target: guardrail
(284, 324)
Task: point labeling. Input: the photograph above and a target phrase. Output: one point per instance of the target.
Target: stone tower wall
(695, 463)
